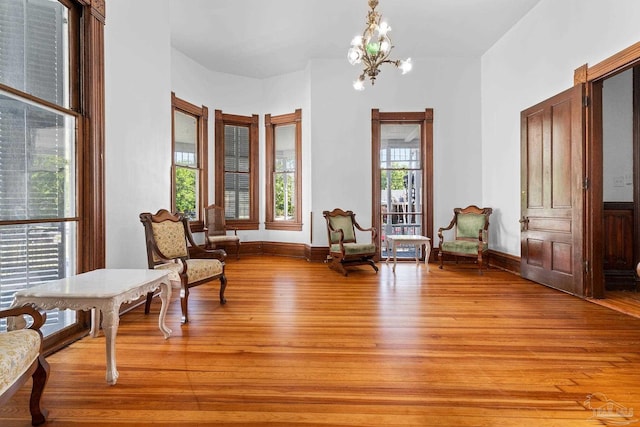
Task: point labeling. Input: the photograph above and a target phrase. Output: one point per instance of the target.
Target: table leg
(386, 242)
(165, 297)
(427, 253)
(395, 247)
(95, 322)
(110, 323)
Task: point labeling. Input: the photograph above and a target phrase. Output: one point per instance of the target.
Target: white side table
(408, 239)
(101, 291)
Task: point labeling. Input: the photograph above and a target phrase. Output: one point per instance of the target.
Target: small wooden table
(101, 291)
(408, 239)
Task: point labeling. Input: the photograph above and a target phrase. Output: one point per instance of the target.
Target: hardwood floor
(300, 345)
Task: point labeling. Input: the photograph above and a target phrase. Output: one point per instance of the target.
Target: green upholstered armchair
(470, 235)
(344, 250)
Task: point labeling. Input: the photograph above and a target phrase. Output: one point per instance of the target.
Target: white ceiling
(264, 38)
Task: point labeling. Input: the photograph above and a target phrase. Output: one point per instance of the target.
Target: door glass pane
(401, 183)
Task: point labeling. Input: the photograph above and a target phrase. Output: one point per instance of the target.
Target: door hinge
(585, 183)
(585, 264)
(585, 101)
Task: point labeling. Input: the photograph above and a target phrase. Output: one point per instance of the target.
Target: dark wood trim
(636, 162)
(615, 63)
(425, 119)
(504, 261)
(221, 120)
(270, 124)
(92, 235)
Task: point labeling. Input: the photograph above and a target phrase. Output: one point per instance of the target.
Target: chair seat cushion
(18, 350)
(355, 248)
(462, 247)
(197, 269)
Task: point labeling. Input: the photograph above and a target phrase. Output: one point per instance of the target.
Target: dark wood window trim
(271, 122)
(221, 120)
(202, 115)
(425, 119)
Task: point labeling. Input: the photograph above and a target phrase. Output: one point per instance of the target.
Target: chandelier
(372, 49)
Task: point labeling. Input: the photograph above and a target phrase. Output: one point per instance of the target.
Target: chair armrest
(197, 252)
(374, 233)
(38, 316)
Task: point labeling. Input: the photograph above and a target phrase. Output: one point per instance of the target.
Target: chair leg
(184, 299)
(441, 258)
(223, 286)
(336, 265)
(237, 249)
(39, 377)
(373, 264)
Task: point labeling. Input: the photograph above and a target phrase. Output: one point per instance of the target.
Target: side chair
(170, 246)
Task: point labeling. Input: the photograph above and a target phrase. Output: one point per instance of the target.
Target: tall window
(237, 169)
(48, 228)
(189, 168)
(284, 177)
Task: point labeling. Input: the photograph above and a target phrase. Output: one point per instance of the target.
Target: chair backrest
(165, 235)
(338, 219)
(470, 220)
(214, 220)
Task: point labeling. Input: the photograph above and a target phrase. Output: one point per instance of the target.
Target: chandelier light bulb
(405, 65)
(354, 55)
(357, 41)
(384, 28)
(359, 84)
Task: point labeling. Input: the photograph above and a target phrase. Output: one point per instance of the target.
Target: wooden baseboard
(501, 260)
(506, 262)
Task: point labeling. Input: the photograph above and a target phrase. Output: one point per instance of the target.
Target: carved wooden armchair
(470, 227)
(344, 250)
(216, 229)
(21, 358)
(170, 246)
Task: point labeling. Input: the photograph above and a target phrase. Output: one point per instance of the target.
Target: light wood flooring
(300, 345)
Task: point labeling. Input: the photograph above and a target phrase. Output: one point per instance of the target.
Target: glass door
(401, 189)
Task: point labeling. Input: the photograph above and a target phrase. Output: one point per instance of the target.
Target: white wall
(138, 124)
(617, 134)
(341, 133)
(533, 61)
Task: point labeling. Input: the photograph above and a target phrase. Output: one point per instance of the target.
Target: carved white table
(101, 291)
(408, 239)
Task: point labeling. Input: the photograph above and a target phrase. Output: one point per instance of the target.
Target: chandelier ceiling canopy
(373, 47)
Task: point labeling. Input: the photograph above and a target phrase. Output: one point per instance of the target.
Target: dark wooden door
(552, 143)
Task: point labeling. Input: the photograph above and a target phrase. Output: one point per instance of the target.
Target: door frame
(425, 119)
(593, 78)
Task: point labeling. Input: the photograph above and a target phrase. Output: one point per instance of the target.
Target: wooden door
(553, 182)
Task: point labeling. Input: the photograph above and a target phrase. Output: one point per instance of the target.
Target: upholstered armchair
(170, 246)
(344, 250)
(21, 358)
(216, 229)
(470, 228)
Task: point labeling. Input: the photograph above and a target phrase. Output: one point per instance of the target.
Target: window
(284, 159)
(189, 165)
(237, 169)
(49, 229)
